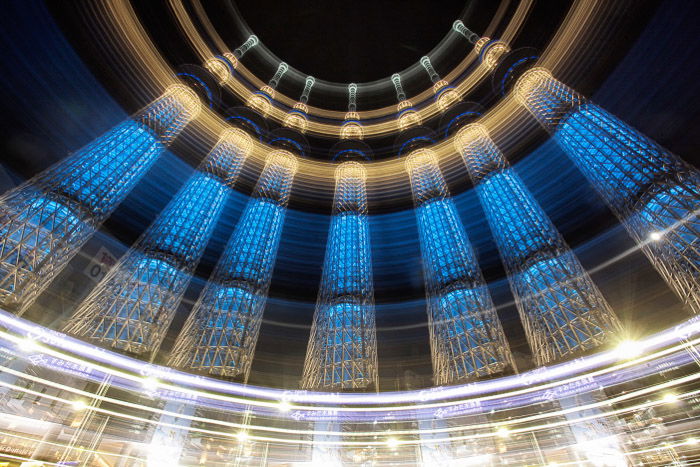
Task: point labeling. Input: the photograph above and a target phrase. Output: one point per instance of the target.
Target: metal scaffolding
(466, 337)
(562, 310)
(131, 308)
(220, 334)
(45, 221)
(654, 193)
(342, 351)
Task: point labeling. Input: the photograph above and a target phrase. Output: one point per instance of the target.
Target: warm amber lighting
(218, 68)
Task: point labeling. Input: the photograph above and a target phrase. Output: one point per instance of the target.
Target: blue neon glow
(100, 175)
(447, 255)
(185, 225)
(620, 161)
(347, 264)
(250, 254)
(519, 225)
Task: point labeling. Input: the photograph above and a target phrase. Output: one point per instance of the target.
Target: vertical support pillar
(131, 308)
(466, 337)
(654, 193)
(342, 352)
(45, 221)
(220, 335)
(562, 310)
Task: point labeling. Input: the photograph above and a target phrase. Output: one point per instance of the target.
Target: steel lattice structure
(45, 221)
(342, 351)
(466, 337)
(562, 310)
(131, 308)
(654, 193)
(220, 334)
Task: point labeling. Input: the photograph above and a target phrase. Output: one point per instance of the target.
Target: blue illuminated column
(562, 310)
(45, 221)
(220, 335)
(342, 351)
(131, 308)
(654, 193)
(466, 337)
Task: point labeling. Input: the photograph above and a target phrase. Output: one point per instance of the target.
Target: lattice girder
(342, 347)
(45, 221)
(562, 310)
(467, 340)
(654, 193)
(221, 332)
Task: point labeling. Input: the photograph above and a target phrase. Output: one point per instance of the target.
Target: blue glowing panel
(250, 254)
(99, 176)
(519, 225)
(185, 225)
(347, 267)
(447, 254)
(619, 161)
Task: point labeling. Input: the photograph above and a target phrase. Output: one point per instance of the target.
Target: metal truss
(654, 193)
(466, 337)
(342, 351)
(132, 307)
(562, 310)
(220, 334)
(45, 221)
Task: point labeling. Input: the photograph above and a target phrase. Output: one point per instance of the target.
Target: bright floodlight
(628, 349)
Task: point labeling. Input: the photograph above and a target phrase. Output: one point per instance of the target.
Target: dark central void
(352, 41)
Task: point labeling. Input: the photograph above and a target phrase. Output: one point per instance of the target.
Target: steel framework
(654, 193)
(342, 351)
(131, 308)
(220, 334)
(45, 221)
(466, 337)
(562, 310)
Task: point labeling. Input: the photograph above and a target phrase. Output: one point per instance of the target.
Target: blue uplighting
(347, 264)
(100, 175)
(447, 256)
(621, 162)
(519, 225)
(250, 254)
(184, 227)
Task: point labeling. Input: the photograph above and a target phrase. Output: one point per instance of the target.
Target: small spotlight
(628, 349)
(691, 441)
(79, 405)
(284, 406)
(374, 422)
(503, 432)
(392, 442)
(656, 236)
(242, 435)
(670, 397)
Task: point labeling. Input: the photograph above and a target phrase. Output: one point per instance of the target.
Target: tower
(45, 221)
(131, 308)
(466, 337)
(342, 350)
(220, 334)
(562, 310)
(653, 192)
